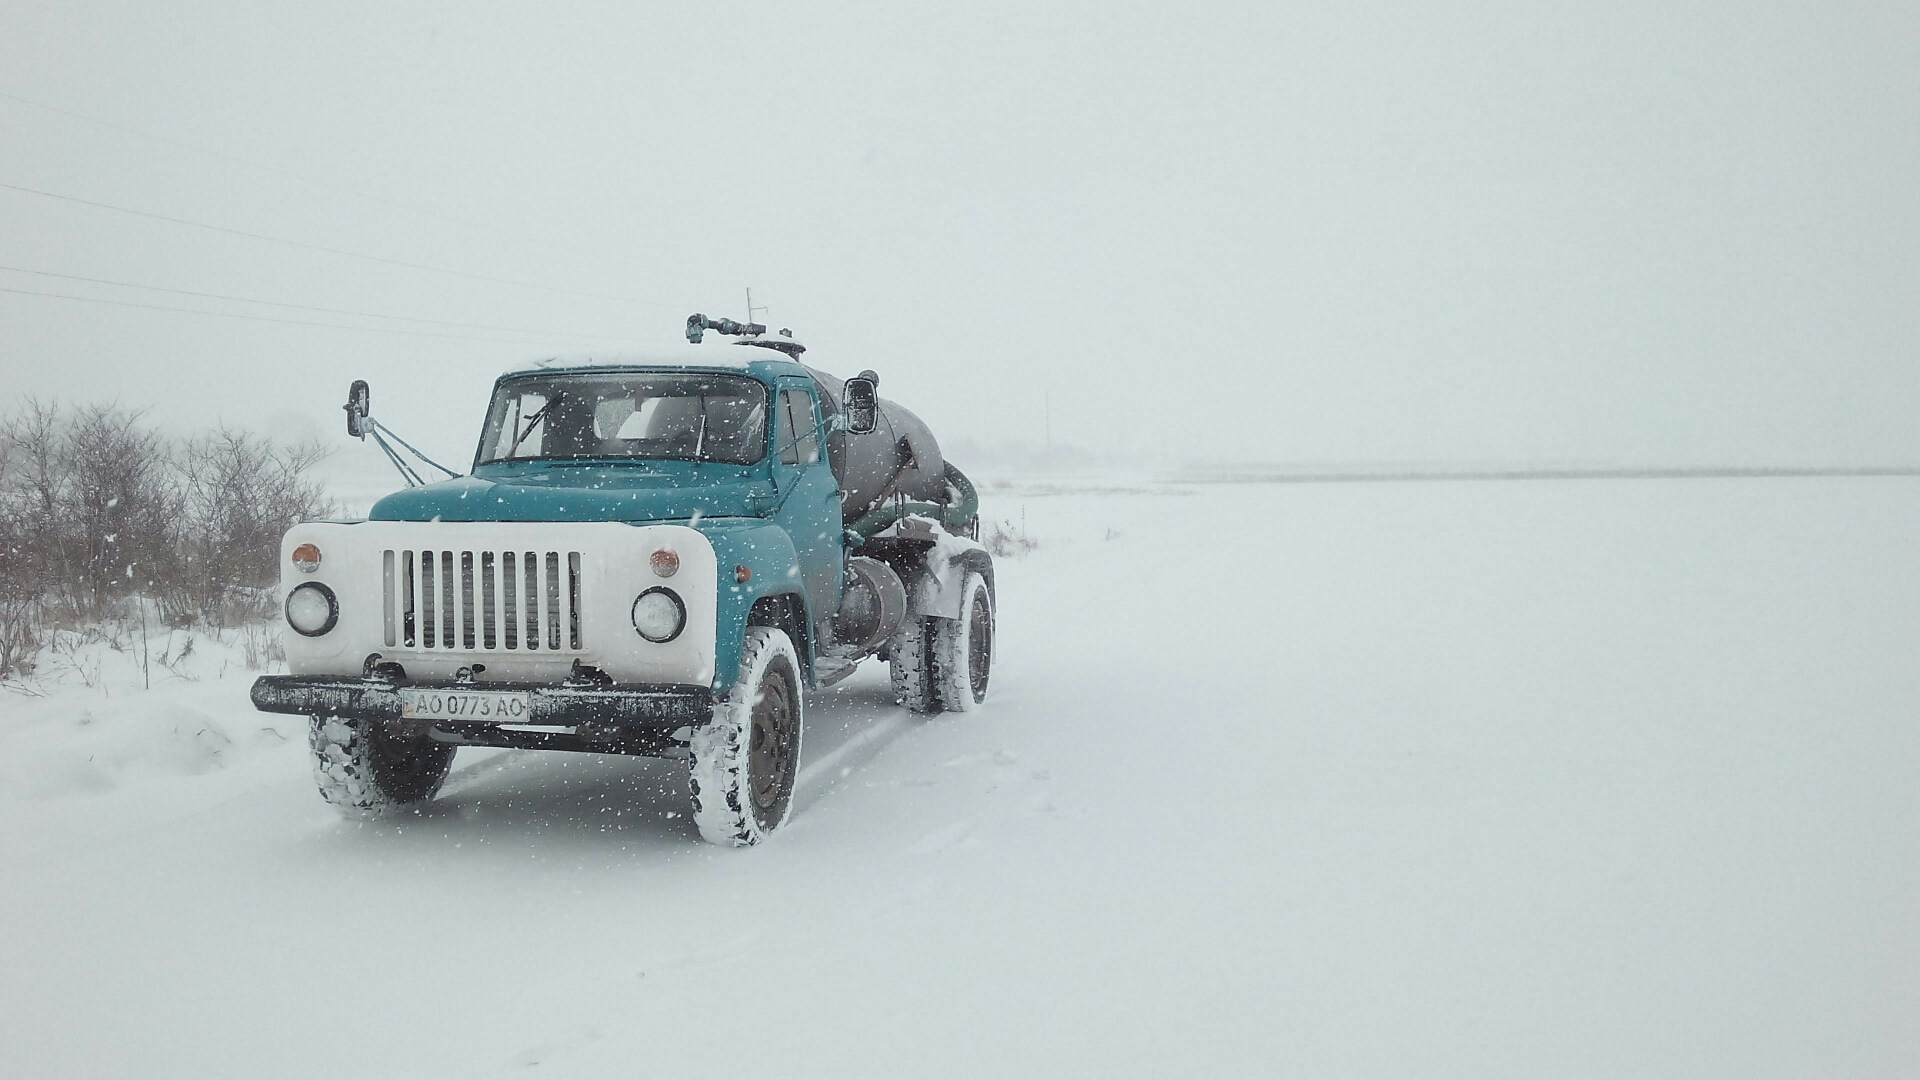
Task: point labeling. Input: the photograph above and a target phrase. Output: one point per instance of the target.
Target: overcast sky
(1550, 233)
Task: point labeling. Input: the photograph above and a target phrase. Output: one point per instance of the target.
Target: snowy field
(1525, 779)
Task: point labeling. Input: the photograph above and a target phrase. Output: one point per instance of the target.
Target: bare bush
(1007, 540)
(96, 508)
(91, 503)
(32, 484)
(20, 613)
(240, 493)
(120, 510)
(262, 646)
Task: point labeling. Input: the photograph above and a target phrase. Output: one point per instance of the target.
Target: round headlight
(312, 609)
(659, 615)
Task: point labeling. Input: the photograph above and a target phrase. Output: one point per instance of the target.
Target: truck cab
(662, 553)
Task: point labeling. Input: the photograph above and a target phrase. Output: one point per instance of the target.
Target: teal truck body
(652, 554)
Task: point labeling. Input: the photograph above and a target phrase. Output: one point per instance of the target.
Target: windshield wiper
(538, 415)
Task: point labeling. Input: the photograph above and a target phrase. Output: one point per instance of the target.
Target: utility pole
(750, 307)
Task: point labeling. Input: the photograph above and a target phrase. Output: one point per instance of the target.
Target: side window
(799, 432)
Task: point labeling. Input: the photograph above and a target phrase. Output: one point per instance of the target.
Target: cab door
(810, 511)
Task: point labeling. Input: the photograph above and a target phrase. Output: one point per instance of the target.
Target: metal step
(831, 669)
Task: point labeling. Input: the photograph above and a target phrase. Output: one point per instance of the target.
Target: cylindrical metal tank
(899, 456)
(872, 607)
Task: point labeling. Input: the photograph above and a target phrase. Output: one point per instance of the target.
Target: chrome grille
(481, 601)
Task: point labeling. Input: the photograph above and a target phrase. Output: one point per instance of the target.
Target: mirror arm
(380, 428)
(360, 424)
(412, 478)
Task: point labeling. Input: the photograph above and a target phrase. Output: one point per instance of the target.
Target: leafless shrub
(96, 507)
(121, 507)
(91, 504)
(173, 656)
(18, 642)
(31, 484)
(70, 656)
(261, 645)
(240, 493)
(1007, 540)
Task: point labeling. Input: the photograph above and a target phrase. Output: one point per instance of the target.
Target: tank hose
(953, 517)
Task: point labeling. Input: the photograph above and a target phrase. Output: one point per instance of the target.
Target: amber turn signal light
(306, 558)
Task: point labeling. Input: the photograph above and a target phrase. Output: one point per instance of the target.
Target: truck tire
(746, 759)
(963, 649)
(366, 771)
(910, 663)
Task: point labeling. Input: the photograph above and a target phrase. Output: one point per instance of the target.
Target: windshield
(650, 416)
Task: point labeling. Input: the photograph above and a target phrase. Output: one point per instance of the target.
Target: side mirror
(863, 403)
(358, 399)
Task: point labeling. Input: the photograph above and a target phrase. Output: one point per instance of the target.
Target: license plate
(486, 706)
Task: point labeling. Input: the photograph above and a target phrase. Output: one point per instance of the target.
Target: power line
(330, 186)
(303, 307)
(1419, 475)
(260, 318)
(338, 251)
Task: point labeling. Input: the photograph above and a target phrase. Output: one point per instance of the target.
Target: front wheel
(963, 649)
(746, 759)
(366, 770)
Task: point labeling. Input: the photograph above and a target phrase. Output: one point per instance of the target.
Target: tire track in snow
(816, 779)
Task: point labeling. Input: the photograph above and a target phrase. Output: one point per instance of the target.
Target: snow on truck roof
(714, 355)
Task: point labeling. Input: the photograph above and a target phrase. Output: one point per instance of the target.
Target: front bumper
(634, 718)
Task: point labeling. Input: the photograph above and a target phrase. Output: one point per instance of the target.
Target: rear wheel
(963, 649)
(366, 770)
(910, 663)
(746, 759)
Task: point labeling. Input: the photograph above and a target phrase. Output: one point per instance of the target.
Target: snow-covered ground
(1525, 779)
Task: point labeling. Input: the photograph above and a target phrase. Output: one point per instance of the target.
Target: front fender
(769, 553)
